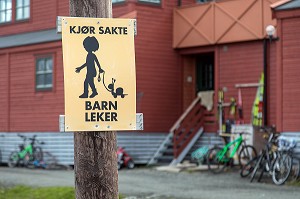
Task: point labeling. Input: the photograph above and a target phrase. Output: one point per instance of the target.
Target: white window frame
(22, 7)
(7, 11)
(44, 72)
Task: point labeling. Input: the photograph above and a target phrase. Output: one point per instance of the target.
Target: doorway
(205, 72)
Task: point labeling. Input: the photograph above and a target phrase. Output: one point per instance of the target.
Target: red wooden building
(182, 47)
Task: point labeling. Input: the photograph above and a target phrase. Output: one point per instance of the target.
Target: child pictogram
(91, 45)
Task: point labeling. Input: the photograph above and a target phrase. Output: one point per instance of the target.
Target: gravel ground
(151, 184)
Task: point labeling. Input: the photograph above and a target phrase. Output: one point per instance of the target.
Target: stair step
(167, 151)
(165, 158)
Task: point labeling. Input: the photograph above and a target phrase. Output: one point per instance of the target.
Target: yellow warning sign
(99, 74)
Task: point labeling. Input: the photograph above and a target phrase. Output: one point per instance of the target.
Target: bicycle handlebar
(267, 129)
(33, 139)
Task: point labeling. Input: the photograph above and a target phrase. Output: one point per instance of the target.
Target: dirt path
(152, 184)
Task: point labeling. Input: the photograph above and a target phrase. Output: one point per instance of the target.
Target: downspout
(265, 46)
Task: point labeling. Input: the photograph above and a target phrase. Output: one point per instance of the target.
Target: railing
(187, 126)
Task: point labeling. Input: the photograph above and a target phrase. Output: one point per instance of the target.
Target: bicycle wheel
(258, 166)
(282, 168)
(13, 159)
(215, 165)
(247, 153)
(38, 154)
(248, 168)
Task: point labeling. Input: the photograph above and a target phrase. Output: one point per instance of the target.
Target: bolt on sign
(99, 74)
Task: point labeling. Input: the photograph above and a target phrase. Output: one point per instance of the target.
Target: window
(5, 11)
(204, 1)
(151, 1)
(22, 9)
(205, 72)
(44, 73)
(117, 1)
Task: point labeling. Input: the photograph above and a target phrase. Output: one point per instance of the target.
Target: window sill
(150, 3)
(22, 20)
(43, 89)
(6, 23)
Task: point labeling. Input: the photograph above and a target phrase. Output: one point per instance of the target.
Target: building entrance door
(205, 72)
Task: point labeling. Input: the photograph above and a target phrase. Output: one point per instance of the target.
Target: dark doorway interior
(205, 72)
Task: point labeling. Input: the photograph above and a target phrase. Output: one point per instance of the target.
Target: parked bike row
(277, 158)
(31, 155)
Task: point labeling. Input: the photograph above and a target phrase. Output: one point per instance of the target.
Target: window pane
(8, 15)
(2, 16)
(116, 1)
(19, 14)
(151, 1)
(19, 3)
(49, 64)
(8, 4)
(26, 12)
(44, 75)
(26, 2)
(40, 79)
(2, 5)
(48, 79)
(40, 65)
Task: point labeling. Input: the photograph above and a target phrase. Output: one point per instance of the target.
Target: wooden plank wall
(290, 73)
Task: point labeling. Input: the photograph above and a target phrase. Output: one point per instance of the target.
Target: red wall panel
(157, 65)
(189, 88)
(290, 73)
(4, 92)
(158, 68)
(241, 63)
(32, 110)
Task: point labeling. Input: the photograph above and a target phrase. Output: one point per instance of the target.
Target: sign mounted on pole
(99, 74)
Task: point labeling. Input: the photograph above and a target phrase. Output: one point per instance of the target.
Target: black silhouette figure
(119, 91)
(91, 45)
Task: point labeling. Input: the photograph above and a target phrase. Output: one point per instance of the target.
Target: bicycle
(27, 154)
(270, 136)
(284, 163)
(272, 159)
(218, 158)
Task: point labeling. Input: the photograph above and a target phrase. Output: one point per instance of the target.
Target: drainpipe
(270, 30)
(265, 81)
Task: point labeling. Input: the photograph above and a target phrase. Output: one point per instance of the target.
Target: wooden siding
(240, 64)
(31, 110)
(290, 74)
(4, 92)
(236, 64)
(157, 65)
(189, 88)
(218, 22)
(43, 16)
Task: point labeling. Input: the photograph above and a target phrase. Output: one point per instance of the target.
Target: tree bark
(95, 153)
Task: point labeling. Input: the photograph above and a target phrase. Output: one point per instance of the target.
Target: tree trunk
(95, 153)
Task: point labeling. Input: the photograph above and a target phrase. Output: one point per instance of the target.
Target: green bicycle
(27, 153)
(218, 158)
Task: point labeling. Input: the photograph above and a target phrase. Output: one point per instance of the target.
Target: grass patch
(25, 192)
(294, 183)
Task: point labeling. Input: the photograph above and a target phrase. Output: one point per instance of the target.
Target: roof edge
(279, 3)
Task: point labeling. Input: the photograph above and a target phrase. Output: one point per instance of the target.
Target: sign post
(98, 98)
